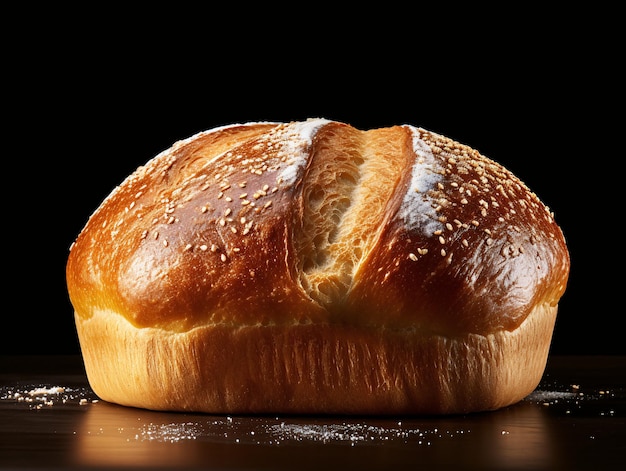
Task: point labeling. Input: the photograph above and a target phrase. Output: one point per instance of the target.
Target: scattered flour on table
(39, 396)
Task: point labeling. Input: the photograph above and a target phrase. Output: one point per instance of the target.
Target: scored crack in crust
(317, 223)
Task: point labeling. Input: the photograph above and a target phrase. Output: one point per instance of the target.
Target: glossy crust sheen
(311, 267)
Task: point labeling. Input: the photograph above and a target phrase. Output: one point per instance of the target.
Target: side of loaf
(311, 267)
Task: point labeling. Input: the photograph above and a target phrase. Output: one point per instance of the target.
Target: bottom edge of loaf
(312, 369)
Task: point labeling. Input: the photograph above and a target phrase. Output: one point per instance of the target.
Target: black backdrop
(90, 103)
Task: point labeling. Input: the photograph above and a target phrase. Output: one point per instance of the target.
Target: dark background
(91, 98)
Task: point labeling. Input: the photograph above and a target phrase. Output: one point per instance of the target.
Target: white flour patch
(418, 208)
(295, 142)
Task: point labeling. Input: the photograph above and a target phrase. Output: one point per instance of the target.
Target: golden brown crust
(398, 244)
(493, 254)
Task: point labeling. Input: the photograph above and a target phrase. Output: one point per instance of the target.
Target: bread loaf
(312, 267)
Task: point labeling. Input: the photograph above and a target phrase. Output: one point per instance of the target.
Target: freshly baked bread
(311, 267)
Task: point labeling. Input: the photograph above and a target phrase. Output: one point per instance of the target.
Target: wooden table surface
(51, 419)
